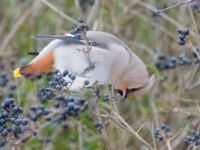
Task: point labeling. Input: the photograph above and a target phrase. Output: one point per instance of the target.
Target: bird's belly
(70, 58)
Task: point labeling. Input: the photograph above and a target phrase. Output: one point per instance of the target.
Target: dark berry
(65, 73)
(72, 77)
(86, 82)
(181, 42)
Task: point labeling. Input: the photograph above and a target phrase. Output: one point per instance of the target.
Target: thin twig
(88, 48)
(134, 132)
(192, 75)
(196, 84)
(55, 9)
(194, 24)
(3, 24)
(164, 16)
(141, 127)
(130, 12)
(174, 6)
(114, 118)
(154, 140)
(153, 23)
(100, 120)
(194, 50)
(145, 48)
(80, 137)
(93, 12)
(17, 25)
(112, 98)
(168, 144)
(127, 127)
(194, 147)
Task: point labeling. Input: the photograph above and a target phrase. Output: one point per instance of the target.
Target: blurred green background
(174, 101)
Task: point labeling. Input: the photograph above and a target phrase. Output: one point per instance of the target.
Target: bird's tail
(25, 70)
(42, 64)
(16, 73)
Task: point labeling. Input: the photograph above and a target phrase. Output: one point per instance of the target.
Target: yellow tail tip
(16, 73)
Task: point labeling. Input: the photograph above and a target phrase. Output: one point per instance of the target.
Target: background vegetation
(173, 100)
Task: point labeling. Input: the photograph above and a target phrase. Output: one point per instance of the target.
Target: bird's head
(131, 90)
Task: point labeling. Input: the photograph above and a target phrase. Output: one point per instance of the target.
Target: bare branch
(55, 9)
(16, 26)
(174, 6)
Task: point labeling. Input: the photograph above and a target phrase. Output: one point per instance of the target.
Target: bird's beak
(122, 94)
(16, 73)
(121, 90)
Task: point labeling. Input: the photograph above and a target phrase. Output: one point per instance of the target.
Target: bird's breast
(72, 58)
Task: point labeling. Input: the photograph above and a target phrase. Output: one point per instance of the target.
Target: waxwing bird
(100, 57)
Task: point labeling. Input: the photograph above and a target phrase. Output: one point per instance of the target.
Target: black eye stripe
(132, 90)
(119, 91)
(128, 90)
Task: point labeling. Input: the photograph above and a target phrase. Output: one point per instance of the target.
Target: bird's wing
(67, 38)
(44, 61)
(102, 38)
(95, 38)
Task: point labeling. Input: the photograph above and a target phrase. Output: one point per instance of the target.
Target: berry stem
(168, 144)
(100, 120)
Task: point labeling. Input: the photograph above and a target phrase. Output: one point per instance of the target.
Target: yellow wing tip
(16, 73)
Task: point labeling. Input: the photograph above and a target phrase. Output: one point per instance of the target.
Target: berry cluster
(183, 32)
(69, 106)
(106, 97)
(165, 62)
(38, 112)
(11, 123)
(63, 107)
(195, 5)
(59, 80)
(56, 84)
(81, 27)
(184, 60)
(193, 139)
(162, 133)
(99, 126)
(45, 94)
(7, 85)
